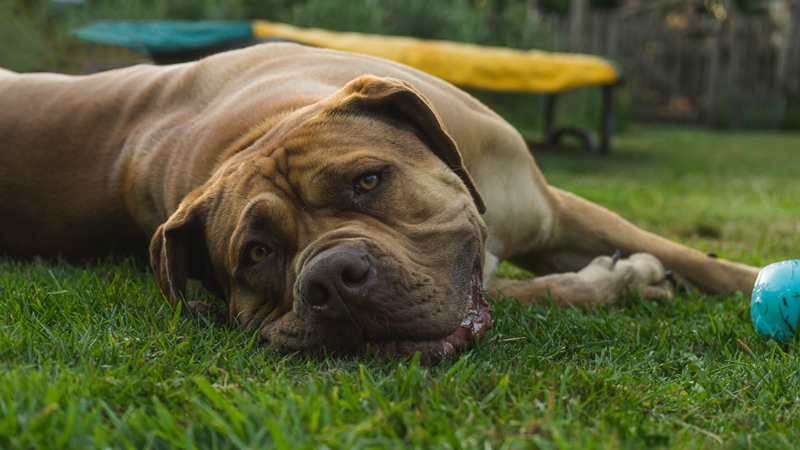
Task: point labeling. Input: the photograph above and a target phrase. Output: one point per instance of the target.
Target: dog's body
(101, 163)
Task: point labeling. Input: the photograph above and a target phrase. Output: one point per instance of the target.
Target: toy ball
(775, 304)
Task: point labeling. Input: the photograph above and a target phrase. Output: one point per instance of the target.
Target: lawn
(92, 356)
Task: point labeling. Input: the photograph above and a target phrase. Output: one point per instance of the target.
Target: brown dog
(330, 199)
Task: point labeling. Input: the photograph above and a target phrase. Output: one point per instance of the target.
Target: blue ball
(775, 304)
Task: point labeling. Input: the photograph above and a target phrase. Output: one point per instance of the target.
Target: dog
(331, 200)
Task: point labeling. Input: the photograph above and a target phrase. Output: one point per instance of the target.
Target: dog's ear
(398, 99)
(178, 251)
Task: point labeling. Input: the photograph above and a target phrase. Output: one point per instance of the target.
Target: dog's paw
(641, 273)
(644, 274)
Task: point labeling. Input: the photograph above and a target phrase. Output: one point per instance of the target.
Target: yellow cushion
(466, 65)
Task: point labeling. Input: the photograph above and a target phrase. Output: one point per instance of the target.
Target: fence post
(789, 67)
(711, 87)
(713, 65)
(611, 38)
(785, 47)
(577, 10)
(735, 60)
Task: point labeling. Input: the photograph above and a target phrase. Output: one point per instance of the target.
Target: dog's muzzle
(339, 285)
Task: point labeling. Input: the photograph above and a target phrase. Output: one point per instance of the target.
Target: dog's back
(59, 140)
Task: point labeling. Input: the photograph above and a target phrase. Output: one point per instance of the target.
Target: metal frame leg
(553, 135)
(549, 119)
(607, 119)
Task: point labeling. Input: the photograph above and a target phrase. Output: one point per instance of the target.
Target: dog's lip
(476, 320)
(473, 327)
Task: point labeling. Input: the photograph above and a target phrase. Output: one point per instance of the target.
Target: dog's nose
(336, 280)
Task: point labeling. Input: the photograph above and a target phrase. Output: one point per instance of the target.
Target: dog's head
(349, 224)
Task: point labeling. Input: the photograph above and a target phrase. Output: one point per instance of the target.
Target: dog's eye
(367, 182)
(258, 253)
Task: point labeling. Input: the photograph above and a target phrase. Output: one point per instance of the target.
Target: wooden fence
(741, 72)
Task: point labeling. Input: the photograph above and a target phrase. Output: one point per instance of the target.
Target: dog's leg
(603, 281)
(582, 231)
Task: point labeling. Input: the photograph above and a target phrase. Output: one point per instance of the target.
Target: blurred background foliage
(35, 35)
(36, 32)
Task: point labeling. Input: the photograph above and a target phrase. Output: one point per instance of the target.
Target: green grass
(736, 194)
(92, 356)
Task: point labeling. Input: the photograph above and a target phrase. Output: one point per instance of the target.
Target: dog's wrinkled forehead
(315, 169)
(365, 120)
